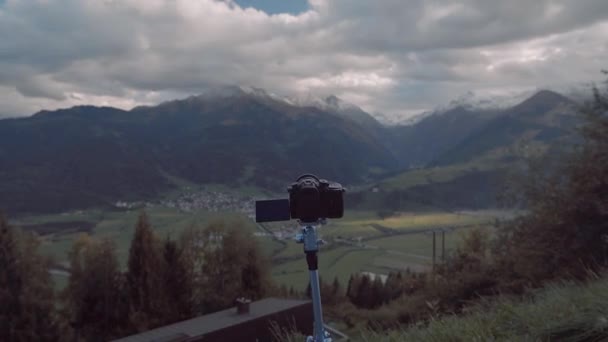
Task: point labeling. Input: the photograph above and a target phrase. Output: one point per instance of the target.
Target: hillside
(536, 123)
(472, 153)
(559, 312)
(419, 144)
(85, 156)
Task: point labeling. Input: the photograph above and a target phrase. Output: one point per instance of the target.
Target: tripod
(308, 237)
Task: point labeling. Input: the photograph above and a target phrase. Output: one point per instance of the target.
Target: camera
(310, 199)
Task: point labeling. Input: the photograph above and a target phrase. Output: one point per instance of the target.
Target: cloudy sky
(397, 57)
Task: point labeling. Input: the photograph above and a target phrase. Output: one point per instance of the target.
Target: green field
(363, 223)
(490, 161)
(338, 262)
(118, 226)
(363, 242)
(359, 242)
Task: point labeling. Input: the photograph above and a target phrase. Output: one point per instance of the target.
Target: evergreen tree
(393, 287)
(353, 287)
(336, 289)
(192, 249)
(327, 294)
(253, 278)
(227, 264)
(364, 293)
(221, 271)
(26, 292)
(94, 300)
(178, 284)
(11, 283)
(144, 278)
(377, 290)
(563, 234)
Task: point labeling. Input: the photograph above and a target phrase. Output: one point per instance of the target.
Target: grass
(366, 225)
(381, 255)
(418, 244)
(560, 312)
(433, 175)
(338, 262)
(89, 215)
(291, 249)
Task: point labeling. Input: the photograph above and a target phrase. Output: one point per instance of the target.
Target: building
(372, 276)
(246, 322)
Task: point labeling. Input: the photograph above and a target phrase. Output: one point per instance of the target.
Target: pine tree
(192, 245)
(11, 283)
(364, 293)
(221, 270)
(252, 275)
(327, 294)
(178, 284)
(336, 288)
(392, 287)
(292, 292)
(26, 292)
(94, 300)
(233, 266)
(144, 278)
(377, 290)
(352, 288)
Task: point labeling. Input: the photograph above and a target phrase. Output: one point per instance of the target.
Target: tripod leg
(319, 330)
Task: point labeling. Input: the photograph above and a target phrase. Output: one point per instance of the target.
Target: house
(246, 322)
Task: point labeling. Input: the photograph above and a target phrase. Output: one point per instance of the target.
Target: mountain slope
(86, 156)
(89, 156)
(533, 124)
(421, 143)
(471, 173)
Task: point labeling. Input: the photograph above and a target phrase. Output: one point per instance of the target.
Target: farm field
(119, 225)
(360, 242)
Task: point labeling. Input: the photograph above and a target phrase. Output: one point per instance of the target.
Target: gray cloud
(392, 56)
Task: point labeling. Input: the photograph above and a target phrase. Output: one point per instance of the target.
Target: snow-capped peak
(332, 102)
(261, 93)
(220, 92)
(472, 101)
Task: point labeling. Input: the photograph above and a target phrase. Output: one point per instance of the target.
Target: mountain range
(93, 156)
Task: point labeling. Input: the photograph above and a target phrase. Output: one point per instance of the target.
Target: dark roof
(219, 320)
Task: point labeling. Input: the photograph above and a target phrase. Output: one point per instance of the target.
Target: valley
(360, 242)
(209, 157)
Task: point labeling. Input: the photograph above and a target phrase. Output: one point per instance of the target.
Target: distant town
(213, 201)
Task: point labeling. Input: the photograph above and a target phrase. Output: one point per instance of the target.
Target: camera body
(310, 199)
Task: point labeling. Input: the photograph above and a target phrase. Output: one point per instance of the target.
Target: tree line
(165, 281)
